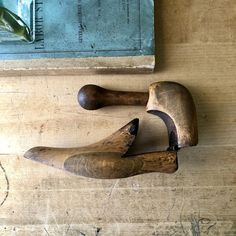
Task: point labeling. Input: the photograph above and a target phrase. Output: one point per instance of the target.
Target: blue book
(84, 34)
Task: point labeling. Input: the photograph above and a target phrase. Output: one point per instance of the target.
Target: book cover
(85, 35)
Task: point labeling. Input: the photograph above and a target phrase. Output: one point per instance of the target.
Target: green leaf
(9, 21)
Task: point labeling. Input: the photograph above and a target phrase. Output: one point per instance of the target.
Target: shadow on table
(159, 36)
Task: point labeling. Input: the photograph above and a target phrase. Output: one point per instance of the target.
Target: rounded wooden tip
(174, 104)
(91, 97)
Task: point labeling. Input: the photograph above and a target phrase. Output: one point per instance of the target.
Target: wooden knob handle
(92, 97)
(112, 165)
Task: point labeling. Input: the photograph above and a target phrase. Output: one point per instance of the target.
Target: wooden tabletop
(196, 46)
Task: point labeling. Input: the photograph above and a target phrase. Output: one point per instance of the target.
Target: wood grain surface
(196, 46)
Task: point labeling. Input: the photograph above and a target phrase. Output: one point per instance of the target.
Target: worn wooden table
(196, 47)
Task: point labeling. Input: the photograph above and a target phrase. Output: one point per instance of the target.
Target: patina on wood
(171, 101)
(93, 97)
(106, 159)
(196, 47)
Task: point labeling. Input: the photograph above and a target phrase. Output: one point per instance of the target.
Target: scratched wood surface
(196, 47)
